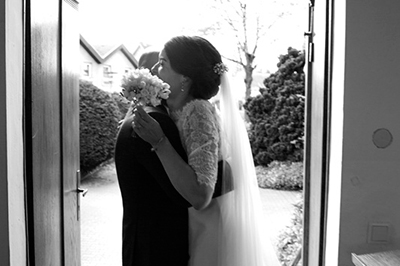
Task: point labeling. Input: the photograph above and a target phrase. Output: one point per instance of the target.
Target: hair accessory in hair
(220, 68)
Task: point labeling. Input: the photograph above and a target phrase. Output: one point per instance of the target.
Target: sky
(148, 21)
(153, 22)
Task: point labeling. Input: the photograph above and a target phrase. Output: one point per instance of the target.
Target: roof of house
(101, 53)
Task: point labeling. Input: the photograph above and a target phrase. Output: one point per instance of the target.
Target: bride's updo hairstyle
(195, 58)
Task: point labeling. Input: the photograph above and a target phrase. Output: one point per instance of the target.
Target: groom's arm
(151, 162)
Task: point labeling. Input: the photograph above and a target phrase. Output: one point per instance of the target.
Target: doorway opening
(101, 208)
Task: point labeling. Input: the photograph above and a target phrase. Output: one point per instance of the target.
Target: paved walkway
(101, 212)
(278, 210)
(101, 222)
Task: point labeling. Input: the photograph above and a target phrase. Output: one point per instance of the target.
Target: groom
(155, 215)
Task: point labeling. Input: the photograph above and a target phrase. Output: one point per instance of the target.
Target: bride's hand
(146, 126)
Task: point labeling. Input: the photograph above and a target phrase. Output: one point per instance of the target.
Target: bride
(219, 180)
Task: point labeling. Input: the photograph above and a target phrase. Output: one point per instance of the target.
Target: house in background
(142, 48)
(105, 65)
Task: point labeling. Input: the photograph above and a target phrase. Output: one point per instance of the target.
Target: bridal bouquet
(143, 88)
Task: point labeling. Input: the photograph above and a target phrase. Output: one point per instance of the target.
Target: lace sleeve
(201, 138)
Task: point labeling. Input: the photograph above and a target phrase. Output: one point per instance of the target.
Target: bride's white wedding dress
(230, 231)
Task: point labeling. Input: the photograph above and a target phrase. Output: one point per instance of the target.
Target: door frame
(316, 176)
(12, 190)
(317, 132)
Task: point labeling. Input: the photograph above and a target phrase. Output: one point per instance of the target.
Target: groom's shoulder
(156, 110)
(159, 113)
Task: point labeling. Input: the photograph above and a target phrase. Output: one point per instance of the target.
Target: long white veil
(242, 239)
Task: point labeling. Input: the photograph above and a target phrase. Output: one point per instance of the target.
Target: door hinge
(310, 52)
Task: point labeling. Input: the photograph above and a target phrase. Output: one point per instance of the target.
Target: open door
(52, 131)
(318, 92)
(70, 65)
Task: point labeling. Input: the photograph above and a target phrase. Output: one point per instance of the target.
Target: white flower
(155, 101)
(141, 86)
(165, 94)
(144, 93)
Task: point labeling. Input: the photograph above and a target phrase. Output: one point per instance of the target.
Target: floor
(101, 212)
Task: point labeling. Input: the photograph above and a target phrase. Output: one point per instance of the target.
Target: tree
(248, 27)
(277, 114)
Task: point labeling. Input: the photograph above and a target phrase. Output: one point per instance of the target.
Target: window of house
(127, 71)
(107, 72)
(87, 69)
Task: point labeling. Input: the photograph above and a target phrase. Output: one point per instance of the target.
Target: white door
(52, 132)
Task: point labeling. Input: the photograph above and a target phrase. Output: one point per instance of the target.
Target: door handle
(78, 191)
(78, 184)
(82, 190)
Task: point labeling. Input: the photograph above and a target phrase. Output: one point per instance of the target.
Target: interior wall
(12, 213)
(369, 77)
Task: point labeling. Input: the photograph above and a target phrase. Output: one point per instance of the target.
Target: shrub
(99, 116)
(281, 175)
(277, 115)
(122, 103)
(291, 238)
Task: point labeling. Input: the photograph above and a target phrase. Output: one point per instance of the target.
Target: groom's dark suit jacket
(155, 215)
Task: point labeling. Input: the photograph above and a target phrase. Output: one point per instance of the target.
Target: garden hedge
(277, 115)
(99, 115)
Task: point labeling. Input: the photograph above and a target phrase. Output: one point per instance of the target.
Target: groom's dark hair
(148, 59)
(195, 58)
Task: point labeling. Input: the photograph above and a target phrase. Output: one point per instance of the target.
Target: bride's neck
(179, 103)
